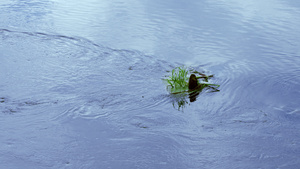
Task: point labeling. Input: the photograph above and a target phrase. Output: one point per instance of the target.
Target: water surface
(80, 84)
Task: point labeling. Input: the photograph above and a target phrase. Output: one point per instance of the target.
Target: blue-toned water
(81, 84)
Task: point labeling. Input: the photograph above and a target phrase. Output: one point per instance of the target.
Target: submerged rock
(193, 82)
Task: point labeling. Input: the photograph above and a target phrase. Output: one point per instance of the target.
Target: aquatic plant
(183, 80)
(178, 78)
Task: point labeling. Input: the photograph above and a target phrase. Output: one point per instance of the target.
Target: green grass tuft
(178, 78)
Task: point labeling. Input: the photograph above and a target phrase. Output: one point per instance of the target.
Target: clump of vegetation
(183, 80)
(178, 78)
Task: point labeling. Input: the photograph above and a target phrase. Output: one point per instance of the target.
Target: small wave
(87, 111)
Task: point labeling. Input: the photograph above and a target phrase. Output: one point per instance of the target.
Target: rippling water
(80, 84)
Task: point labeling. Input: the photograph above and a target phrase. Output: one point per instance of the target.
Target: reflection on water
(81, 84)
(193, 95)
(183, 99)
(180, 101)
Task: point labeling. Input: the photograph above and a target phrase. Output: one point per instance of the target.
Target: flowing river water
(81, 84)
